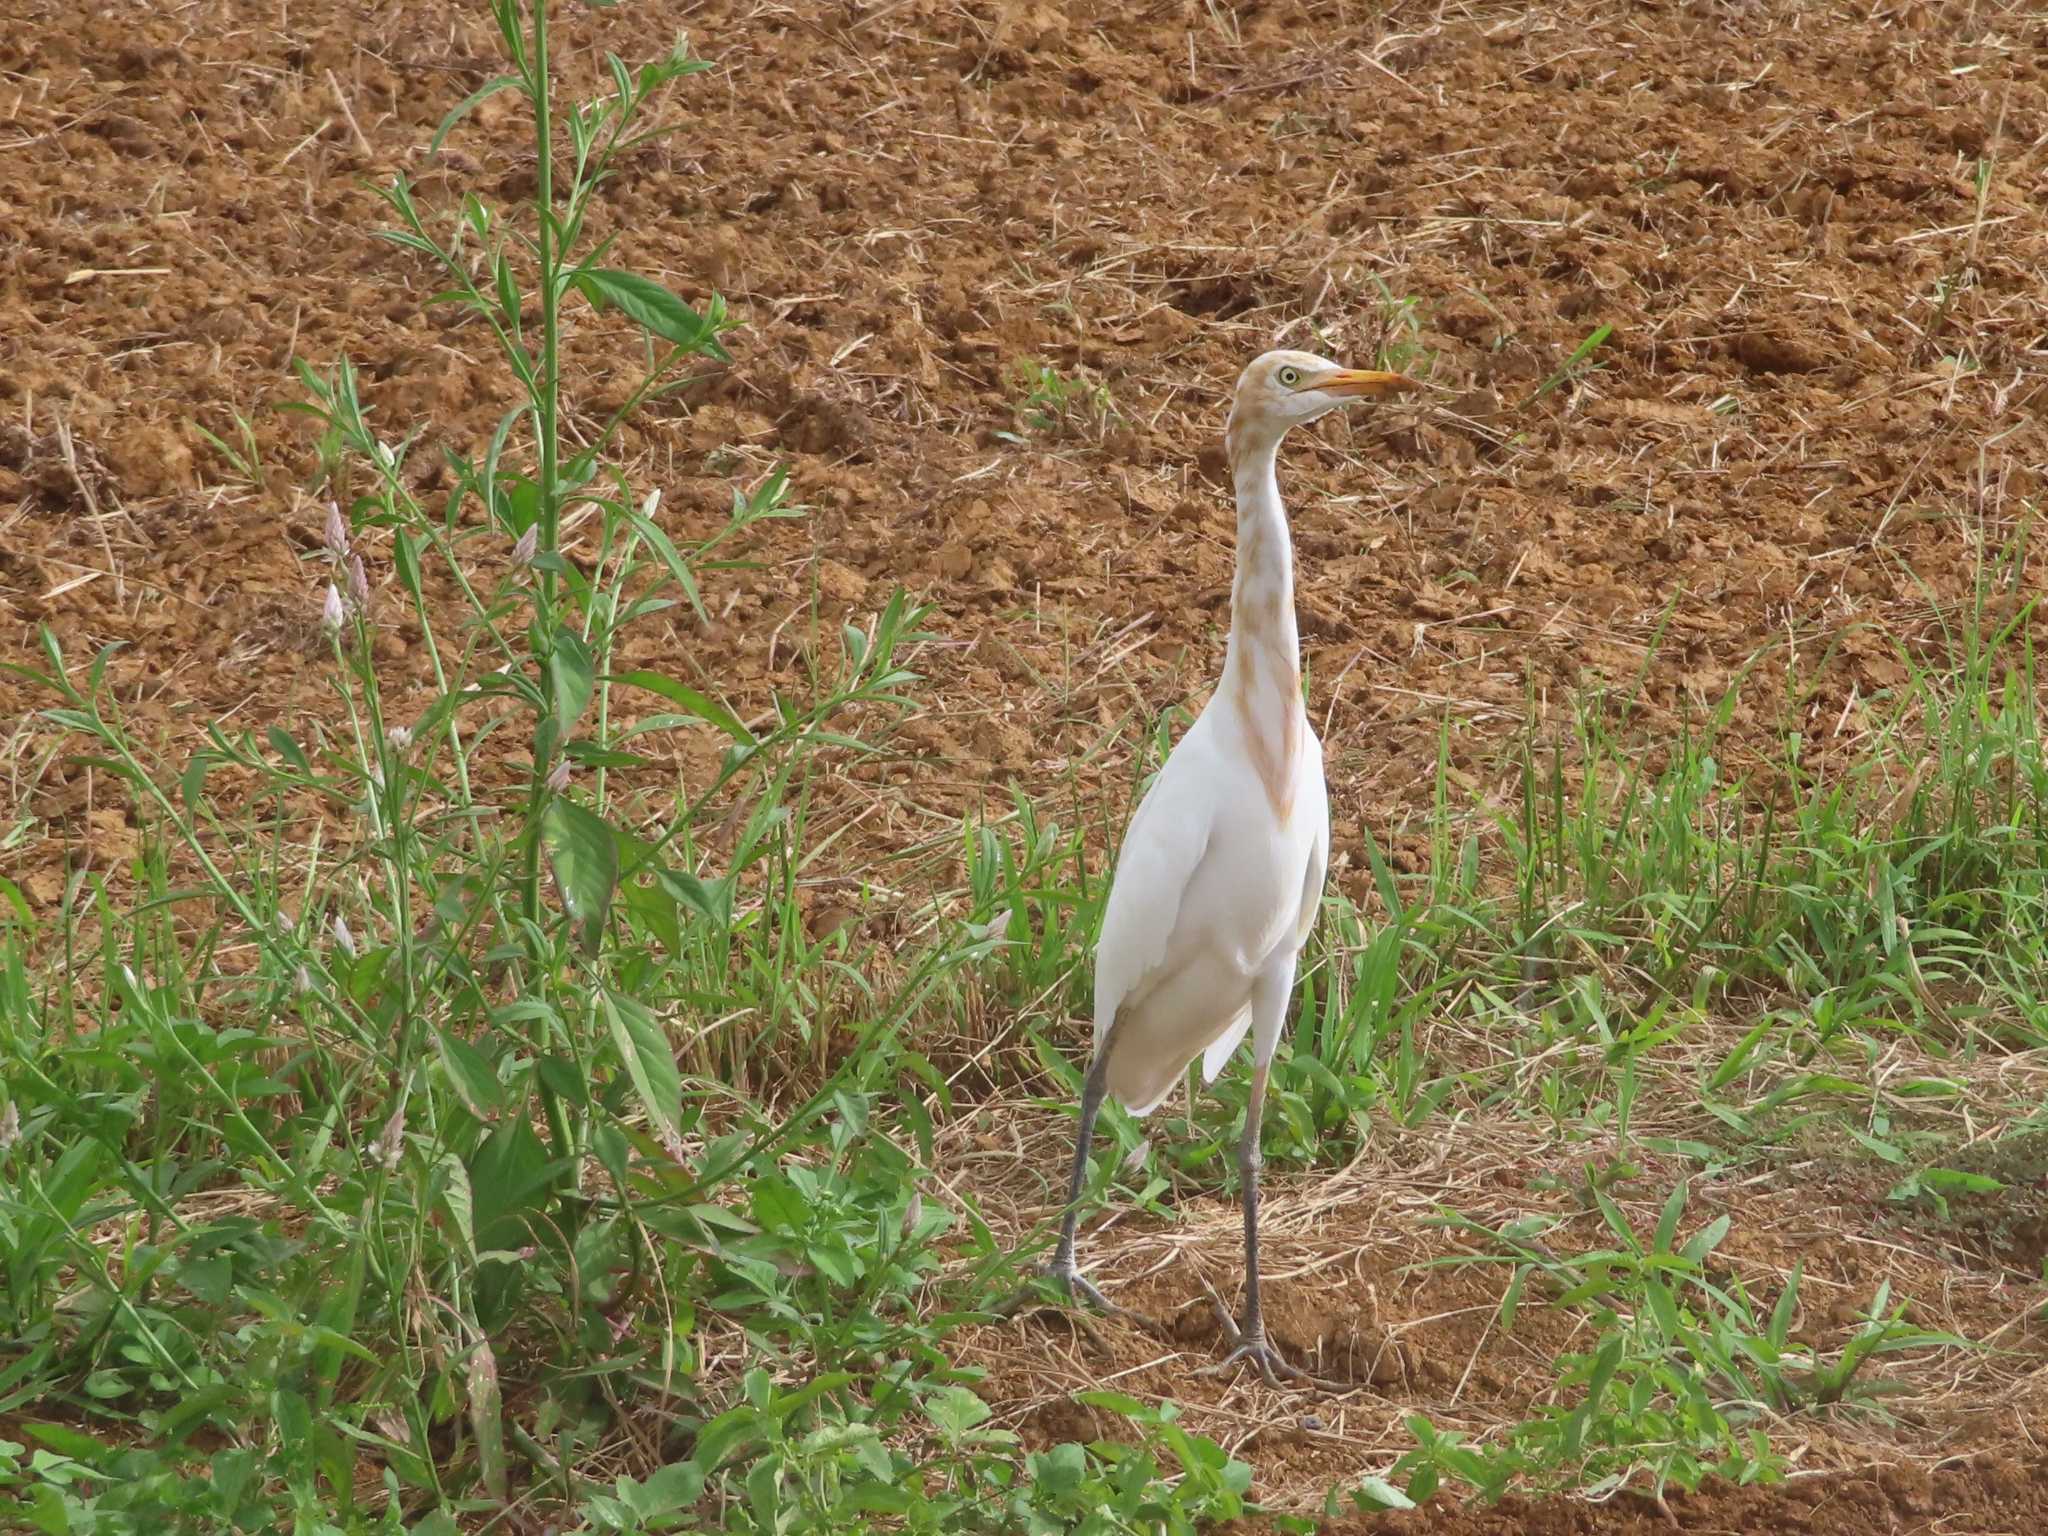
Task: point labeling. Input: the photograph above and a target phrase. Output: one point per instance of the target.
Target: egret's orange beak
(1366, 383)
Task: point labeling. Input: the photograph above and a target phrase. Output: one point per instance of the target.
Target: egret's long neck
(1262, 671)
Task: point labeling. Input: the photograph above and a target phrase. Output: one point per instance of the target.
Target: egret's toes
(1071, 1282)
(1273, 1366)
(1257, 1352)
(1071, 1285)
(1251, 1344)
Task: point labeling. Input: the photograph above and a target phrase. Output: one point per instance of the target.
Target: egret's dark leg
(1092, 1090)
(1250, 1341)
(1062, 1270)
(1249, 1162)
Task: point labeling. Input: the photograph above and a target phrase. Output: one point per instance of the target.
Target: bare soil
(1818, 417)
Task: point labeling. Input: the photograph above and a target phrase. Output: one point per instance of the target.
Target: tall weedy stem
(546, 402)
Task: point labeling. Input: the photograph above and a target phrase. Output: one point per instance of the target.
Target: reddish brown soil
(1793, 443)
(1818, 415)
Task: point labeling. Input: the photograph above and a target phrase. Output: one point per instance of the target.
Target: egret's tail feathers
(1154, 1043)
(1142, 1110)
(1215, 1056)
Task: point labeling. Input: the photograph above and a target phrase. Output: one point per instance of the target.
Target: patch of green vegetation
(1687, 1375)
(1060, 404)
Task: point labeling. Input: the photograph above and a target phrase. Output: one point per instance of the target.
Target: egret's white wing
(1313, 796)
(1166, 843)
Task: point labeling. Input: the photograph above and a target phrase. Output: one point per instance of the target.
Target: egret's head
(1284, 389)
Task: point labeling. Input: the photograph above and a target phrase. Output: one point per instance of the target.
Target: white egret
(1222, 871)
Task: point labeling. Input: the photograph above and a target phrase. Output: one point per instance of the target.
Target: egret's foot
(1272, 1365)
(1251, 1345)
(1071, 1284)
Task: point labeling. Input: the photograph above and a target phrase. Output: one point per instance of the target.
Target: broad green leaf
(955, 1410)
(1114, 1402)
(574, 676)
(1378, 1493)
(192, 1408)
(650, 1061)
(1707, 1239)
(1667, 1224)
(457, 1201)
(584, 856)
(209, 1279)
(508, 1177)
(710, 899)
(649, 304)
(1957, 1181)
(470, 1074)
(676, 1486)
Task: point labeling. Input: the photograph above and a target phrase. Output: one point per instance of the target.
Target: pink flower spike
(332, 614)
(336, 537)
(389, 1147)
(558, 776)
(358, 582)
(528, 545)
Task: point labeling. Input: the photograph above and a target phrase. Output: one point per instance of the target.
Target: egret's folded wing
(1313, 796)
(1166, 844)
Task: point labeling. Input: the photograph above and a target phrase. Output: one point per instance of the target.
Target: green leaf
(1060, 1470)
(649, 304)
(1378, 1493)
(1707, 1239)
(671, 557)
(574, 676)
(1667, 1224)
(469, 104)
(1115, 1402)
(288, 749)
(709, 899)
(676, 1486)
(683, 697)
(487, 1418)
(209, 1279)
(192, 1408)
(955, 1410)
(470, 1074)
(1876, 1145)
(585, 858)
(508, 1177)
(457, 1201)
(193, 784)
(650, 1061)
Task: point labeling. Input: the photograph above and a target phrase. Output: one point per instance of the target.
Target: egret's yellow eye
(1290, 377)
